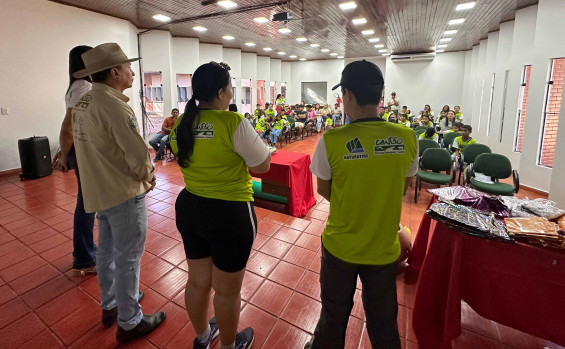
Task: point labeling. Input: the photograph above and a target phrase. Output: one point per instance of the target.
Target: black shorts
(222, 229)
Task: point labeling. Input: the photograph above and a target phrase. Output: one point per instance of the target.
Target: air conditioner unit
(413, 57)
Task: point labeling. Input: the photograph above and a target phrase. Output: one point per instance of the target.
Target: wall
(210, 53)
(436, 82)
(34, 67)
(315, 71)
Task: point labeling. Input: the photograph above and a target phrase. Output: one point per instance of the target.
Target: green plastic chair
(497, 167)
(421, 128)
(435, 160)
(424, 144)
(448, 140)
(470, 153)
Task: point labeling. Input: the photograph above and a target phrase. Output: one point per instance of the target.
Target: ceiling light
(314, 45)
(384, 50)
(445, 40)
(339, 57)
(374, 40)
(450, 32)
(301, 39)
(456, 21)
(267, 49)
(465, 6)
(359, 21)
(302, 59)
(227, 4)
(293, 56)
(281, 53)
(284, 30)
(441, 46)
(386, 54)
(350, 5)
(440, 50)
(200, 28)
(333, 54)
(260, 19)
(379, 46)
(249, 44)
(228, 37)
(325, 50)
(162, 18)
(368, 32)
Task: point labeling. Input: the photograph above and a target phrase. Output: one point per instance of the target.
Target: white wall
(210, 52)
(186, 55)
(315, 71)
(436, 82)
(35, 39)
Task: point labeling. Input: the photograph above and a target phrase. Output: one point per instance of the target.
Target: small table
(515, 284)
(290, 177)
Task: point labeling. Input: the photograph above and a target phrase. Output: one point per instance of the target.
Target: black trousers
(338, 280)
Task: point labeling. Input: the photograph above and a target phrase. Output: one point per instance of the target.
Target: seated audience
(301, 120)
(446, 124)
(392, 118)
(276, 129)
(459, 143)
(402, 120)
(270, 111)
(426, 121)
(329, 122)
(336, 113)
(456, 127)
(430, 134)
(160, 140)
(257, 109)
(458, 114)
(415, 122)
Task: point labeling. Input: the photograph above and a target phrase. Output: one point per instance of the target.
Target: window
(153, 102)
(261, 92)
(184, 90)
(481, 104)
(490, 103)
(273, 91)
(246, 96)
(552, 108)
(522, 106)
(315, 92)
(503, 112)
(283, 89)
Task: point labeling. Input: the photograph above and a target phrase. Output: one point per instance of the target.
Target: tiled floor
(43, 305)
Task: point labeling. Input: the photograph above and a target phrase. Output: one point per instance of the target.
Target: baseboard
(537, 191)
(10, 172)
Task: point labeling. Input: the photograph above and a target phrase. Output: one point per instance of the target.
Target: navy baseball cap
(361, 75)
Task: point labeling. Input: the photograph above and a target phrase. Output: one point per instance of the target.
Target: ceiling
(403, 26)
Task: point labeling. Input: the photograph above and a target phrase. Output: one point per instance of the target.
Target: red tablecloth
(293, 169)
(515, 284)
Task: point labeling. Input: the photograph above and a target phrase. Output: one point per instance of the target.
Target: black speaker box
(35, 157)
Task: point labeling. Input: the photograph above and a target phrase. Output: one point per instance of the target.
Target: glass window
(552, 108)
(490, 103)
(522, 107)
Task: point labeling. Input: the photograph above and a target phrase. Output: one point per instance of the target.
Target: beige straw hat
(102, 57)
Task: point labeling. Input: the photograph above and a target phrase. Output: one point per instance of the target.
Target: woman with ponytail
(214, 213)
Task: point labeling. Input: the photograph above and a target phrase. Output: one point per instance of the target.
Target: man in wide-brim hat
(116, 173)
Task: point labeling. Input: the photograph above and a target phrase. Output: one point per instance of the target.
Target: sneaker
(148, 323)
(110, 316)
(244, 339)
(84, 271)
(213, 334)
(158, 158)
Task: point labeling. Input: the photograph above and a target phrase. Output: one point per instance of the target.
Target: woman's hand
(60, 162)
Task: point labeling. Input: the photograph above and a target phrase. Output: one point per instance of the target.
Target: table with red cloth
(293, 170)
(515, 284)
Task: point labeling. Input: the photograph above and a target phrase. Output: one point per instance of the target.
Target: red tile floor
(43, 305)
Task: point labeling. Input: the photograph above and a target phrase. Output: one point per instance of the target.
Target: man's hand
(153, 181)
(60, 162)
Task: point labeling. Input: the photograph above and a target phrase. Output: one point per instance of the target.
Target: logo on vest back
(203, 130)
(390, 145)
(355, 149)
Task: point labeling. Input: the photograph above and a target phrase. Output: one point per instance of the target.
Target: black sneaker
(109, 317)
(244, 339)
(148, 323)
(158, 158)
(213, 334)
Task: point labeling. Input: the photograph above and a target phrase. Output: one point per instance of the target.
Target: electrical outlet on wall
(5, 110)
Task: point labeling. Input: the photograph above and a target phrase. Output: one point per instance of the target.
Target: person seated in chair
(402, 120)
(160, 140)
(329, 122)
(430, 134)
(336, 113)
(459, 143)
(426, 120)
(301, 120)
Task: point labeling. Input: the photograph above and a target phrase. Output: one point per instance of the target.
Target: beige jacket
(113, 159)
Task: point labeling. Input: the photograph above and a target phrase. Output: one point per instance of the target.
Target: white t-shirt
(321, 167)
(248, 145)
(78, 89)
(392, 105)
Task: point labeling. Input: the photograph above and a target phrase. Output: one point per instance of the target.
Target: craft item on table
(514, 204)
(469, 220)
(481, 177)
(561, 222)
(543, 208)
(536, 231)
(468, 196)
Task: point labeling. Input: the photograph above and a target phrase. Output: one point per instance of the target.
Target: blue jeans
(83, 243)
(336, 117)
(158, 142)
(274, 135)
(346, 120)
(121, 242)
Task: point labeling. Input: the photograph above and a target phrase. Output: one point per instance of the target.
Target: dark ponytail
(206, 81)
(76, 63)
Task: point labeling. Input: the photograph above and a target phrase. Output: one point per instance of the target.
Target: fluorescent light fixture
(250, 44)
(465, 6)
(314, 45)
(441, 46)
(228, 37)
(440, 50)
(368, 32)
(260, 19)
(162, 18)
(445, 40)
(281, 53)
(301, 39)
(284, 30)
(384, 50)
(333, 54)
(228, 4)
(293, 56)
(456, 21)
(450, 32)
(350, 5)
(199, 28)
(379, 46)
(374, 40)
(339, 57)
(267, 49)
(302, 59)
(325, 50)
(359, 21)
(386, 54)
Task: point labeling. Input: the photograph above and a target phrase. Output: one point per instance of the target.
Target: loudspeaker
(35, 157)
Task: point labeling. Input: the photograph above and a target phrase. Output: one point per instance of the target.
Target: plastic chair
(435, 160)
(470, 153)
(424, 144)
(421, 128)
(497, 167)
(448, 140)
